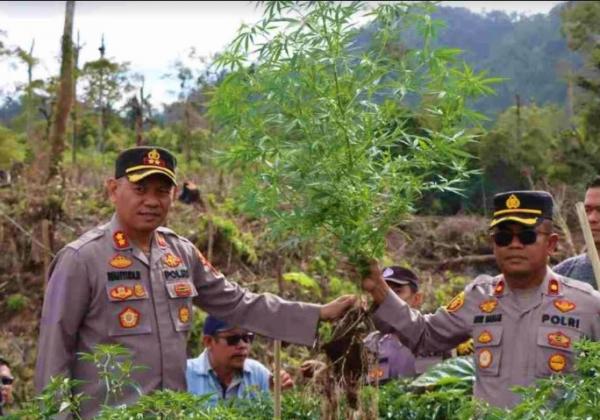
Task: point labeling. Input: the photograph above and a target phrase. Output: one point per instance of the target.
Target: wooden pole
(277, 381)
(589, 241)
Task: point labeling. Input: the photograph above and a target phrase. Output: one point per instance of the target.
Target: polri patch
(565, 321)
(208, 267)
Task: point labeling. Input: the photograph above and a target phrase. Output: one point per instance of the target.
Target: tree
(322, 130)
(65, 95)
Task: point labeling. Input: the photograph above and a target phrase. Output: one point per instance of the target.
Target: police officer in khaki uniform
(132, 282)
(523, 322)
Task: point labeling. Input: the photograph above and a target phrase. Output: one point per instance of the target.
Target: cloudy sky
(149, 35)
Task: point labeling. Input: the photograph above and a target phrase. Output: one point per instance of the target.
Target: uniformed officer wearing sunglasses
(523, 321)
(224, 369)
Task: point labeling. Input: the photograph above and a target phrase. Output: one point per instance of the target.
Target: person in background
(580, 266)
(6, 385)
(224, 369)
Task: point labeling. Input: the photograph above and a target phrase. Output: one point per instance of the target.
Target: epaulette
(86, 238)
(484, 280)
(169, 232)
(576, 284)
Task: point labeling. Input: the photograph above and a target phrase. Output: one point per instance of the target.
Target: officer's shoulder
(88, 238)
(171, 235)
(576, 285)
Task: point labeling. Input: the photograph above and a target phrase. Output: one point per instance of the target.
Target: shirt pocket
(129, 308)
(487, 341)
(180, 294)
(555, 350)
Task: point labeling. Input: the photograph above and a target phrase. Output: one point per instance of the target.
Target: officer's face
(592, 209)
(142, 206)
(519, 260)
(225, 355)
(404, 292)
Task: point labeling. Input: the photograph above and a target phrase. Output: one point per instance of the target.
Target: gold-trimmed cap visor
(138, 175)
(527, 221)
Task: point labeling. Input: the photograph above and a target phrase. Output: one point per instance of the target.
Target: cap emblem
(153, 158)
(513, 202)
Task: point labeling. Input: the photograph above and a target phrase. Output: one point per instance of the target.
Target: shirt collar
(550, 286)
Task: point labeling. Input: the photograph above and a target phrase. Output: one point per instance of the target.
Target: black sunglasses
(7, 380)
(233, 340)
(526, 237)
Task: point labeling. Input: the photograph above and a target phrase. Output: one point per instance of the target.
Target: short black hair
(4, 362)
(594, 183)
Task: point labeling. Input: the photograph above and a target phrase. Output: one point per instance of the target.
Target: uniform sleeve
(65, 302)
(265, 314)
(437, 332)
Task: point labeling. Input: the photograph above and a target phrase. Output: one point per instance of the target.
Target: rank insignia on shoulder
(485, 337)
(184, 314)
(499, 289)
(121, 292)
(160, 240)
(485, 358)
(456, 303)
(557, 362)
(558, 339)
(488, 306)
(120, 261)
(129, 318)
(208, 267)
(171, 260)
(564, 305)
(139, 290)
(553, 287)
(120, 240)
(183, 289)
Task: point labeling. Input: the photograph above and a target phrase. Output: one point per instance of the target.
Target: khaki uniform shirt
(514, 345)
(101, 289)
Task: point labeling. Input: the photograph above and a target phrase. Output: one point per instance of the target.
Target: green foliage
(115, 365)
(242, 242)
(337, 143)
(307, 283)
(16, 303)
(444, 292)
(454, 373)
(339, 286)
(11, 147)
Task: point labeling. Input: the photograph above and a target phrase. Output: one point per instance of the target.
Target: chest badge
(120, 261)
(557, 362)
(120, 240)
(129, 318)
(183, 290)
(172, 260)
(139, 290)
(488, 306)
(121, 292)
(485, 358)
(564, 305)
(184, 314)
(558, 339)
(485, 337)
(456, 303)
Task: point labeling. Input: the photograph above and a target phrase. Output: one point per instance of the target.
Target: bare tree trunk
(188, 132)
(65, 95)
(74, 110)
(139, 119)
(29, 112)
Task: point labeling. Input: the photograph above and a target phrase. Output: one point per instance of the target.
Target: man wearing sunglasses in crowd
(580, 266)
(523, 321)
(224, 370)
(6, 381)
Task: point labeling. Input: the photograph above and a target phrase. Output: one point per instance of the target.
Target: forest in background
(538, 130)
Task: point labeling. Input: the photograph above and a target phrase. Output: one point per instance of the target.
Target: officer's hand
(309, 368)
(336, 308)
(374, 284)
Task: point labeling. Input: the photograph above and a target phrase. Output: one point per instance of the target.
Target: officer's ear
(552, 243)
(417, 300)
(208, 341)
(111, 188)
